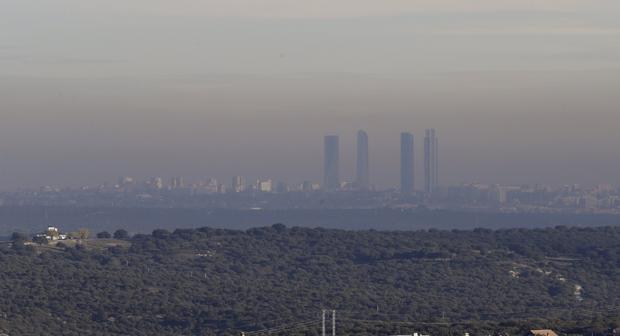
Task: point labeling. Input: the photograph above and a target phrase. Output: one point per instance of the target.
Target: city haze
(519, 92)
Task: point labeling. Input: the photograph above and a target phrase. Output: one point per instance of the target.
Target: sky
(519, 91)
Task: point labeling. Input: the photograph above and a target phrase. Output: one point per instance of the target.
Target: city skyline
(333, 177)
(273, 194)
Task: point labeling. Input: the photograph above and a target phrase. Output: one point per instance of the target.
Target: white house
(52, 233)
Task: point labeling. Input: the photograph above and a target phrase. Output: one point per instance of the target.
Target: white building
(52, 233)
(264, 185)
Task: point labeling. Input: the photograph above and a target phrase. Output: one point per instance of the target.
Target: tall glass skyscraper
(331, 180)
(406, 163)
(431, 161)
(363, 174)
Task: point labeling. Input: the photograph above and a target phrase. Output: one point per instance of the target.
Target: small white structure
(52, 233)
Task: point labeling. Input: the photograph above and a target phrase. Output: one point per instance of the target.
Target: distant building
(154, 183)
(176, 183)
(500, 194)
(431, 161)
(125, 182)
(212, 186)
(406, 163)
(282, 187)
(308, 186)
(238, 184)
(264, 185)
(347, 186)
(588, 202)
(332, 163)
(52, 233)
(363, 171)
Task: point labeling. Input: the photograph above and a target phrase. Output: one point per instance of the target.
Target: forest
(210, 281)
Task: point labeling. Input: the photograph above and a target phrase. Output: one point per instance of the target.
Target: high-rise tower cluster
(407, 162)
(331, 179)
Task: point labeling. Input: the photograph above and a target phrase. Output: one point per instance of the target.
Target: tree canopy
(214, 281)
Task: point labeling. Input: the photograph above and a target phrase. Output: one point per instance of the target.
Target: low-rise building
(52, 233)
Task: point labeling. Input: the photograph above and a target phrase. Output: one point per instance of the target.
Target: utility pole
(324, 312)
(333, 322)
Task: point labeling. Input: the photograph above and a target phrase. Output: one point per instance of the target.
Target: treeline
(214, 281)
(32, 219)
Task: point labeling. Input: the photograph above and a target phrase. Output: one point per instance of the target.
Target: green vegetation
(214, 281)
(104, 235)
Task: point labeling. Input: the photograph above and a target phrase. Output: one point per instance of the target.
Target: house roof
(543, 332)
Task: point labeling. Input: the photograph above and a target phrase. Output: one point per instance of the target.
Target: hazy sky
(519, 91)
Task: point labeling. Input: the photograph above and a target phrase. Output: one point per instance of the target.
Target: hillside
(213, 281)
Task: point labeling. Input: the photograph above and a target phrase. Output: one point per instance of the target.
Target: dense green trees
(41, 240)
(121, 234)
(104, 235)
(18, 236)
(214, 281)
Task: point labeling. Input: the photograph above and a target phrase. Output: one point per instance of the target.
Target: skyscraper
(363, 176)
(431, 161)
(238, 184)
(332, 163)
(176, 183)
(406, 163)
